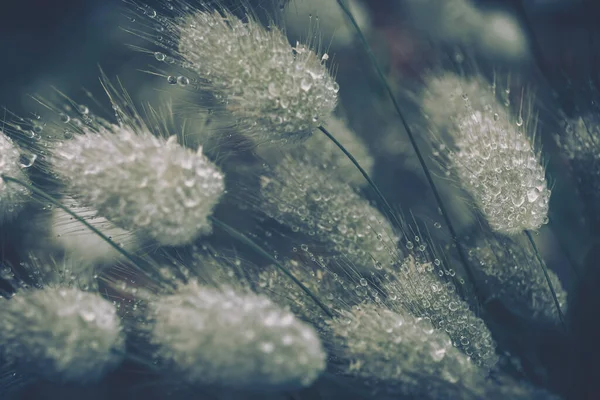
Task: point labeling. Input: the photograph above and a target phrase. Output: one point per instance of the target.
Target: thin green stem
(57, 203)
(545, 270)
(78, 218)
(415, 146)
(245, 239)
(565, 250)
(364, 173)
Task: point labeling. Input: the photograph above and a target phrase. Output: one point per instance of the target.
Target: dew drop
(183, 81)
(520, 121)
(306, 84)
(64, 118)
(83, 109)
(533, 194)
(27, 161)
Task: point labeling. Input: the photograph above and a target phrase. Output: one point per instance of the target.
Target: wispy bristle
(12, 197)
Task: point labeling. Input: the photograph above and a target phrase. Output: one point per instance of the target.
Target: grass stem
(545, 270)
(246, 240)
(415, 146)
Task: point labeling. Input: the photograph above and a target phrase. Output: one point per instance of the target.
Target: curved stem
(545, 270)
(415, 147)
(57, 203)
(245, 239)
(364, 173)
(78, 218)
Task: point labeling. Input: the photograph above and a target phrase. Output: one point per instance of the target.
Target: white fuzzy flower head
(142, 183)
(498, 166)
(12, 196)
(490, 152)
(62, 334)
(307, 194)
(228, 339)
(395, 347)
(276, 92)
(493, 34)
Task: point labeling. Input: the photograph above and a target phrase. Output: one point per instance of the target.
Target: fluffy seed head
(142, 183)
(498, 166)
(490, 153)
(228, 339)
(512, 274)
(306, 196)
(395, 347)
(275, 91)
(63, 334)
(12, 196)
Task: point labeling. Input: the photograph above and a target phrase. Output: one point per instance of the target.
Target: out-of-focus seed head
(305, 195)
(492, 33)
(275, 91)
(580, 142)
(62, 334)
(12, 196)
(443, 101)
(512, 274)
(395, 347)
(142, 183)
(223, 338)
